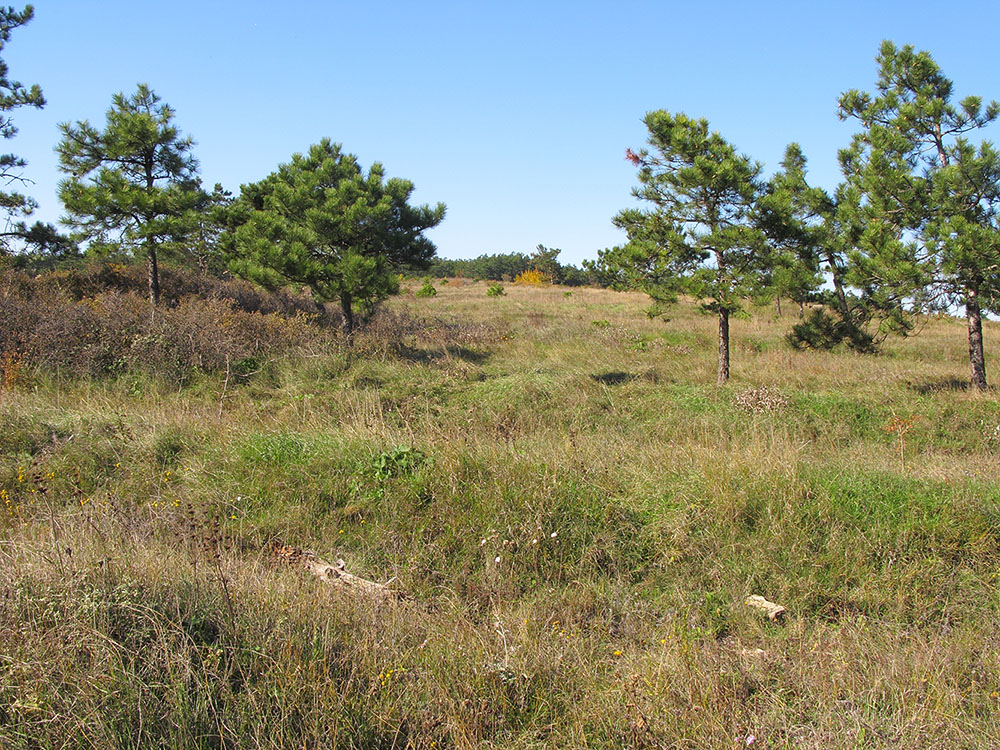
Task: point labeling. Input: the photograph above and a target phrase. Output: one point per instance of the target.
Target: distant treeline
(507, 266)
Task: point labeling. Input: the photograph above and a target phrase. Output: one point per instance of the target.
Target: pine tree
(13, 95)
(133, 184)
(926, 198)
(700, 237)
(791, 215)
(545, 259)
(203, 248)
(810, 242)
(320, 221)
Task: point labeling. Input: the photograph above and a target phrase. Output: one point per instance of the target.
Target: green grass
(575, 513)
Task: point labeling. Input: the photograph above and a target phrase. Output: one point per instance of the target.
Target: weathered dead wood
(773, 611)
(336, 574)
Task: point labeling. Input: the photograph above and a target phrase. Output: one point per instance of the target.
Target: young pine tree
(134, 183)
(699, 235)
(925, 197)
(810, 244)
(322, 222)
(791, 214)
(15, 205)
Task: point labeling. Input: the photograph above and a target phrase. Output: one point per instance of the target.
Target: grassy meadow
(573, 511)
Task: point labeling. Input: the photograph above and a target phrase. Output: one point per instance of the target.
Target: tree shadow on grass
(436, 354)
(939, 385)
(614, 378)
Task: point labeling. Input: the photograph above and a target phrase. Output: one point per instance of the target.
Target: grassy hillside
(573, 510)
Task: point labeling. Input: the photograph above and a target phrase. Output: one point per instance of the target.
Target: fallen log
(336, 574)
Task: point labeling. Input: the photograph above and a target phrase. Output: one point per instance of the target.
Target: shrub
(177, 283)
(427, 290)
(495, 290)
(533, 277)
(400, 461)
(113, 331)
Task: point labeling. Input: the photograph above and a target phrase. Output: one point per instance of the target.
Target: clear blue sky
(515, 114)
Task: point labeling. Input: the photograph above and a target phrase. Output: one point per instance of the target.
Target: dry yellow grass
(576, 511)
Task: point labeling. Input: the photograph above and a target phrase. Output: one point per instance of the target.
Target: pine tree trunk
(346, 307)
(838, 287)
(723, 346)
(152, 269)
(976, 358)
(802, 310)
(777, 305)
(153, 276)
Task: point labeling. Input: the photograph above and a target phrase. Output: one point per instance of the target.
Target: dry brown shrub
(116, 331)
(175, 283)
(208, 334)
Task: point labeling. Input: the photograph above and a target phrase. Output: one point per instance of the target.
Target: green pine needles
(926, 199)
(322, 222)
(913, 228)
(699, 236)
(133, 185)
(13, 95)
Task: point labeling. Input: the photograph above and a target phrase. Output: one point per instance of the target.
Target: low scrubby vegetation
(573, 511)
(97, 322)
